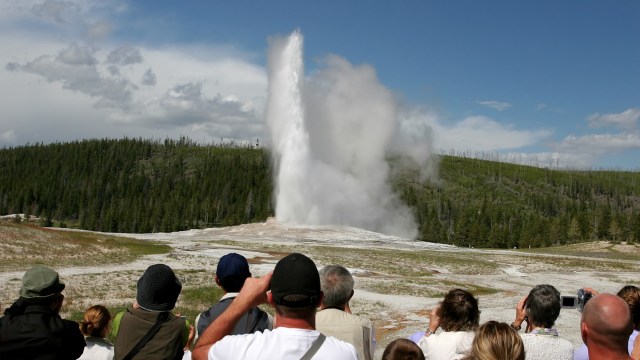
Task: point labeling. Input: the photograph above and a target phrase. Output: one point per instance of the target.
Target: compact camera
(576, 302)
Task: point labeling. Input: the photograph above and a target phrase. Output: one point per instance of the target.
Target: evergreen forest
(137, 185)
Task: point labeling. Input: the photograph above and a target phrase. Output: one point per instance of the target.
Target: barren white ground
(395, 313)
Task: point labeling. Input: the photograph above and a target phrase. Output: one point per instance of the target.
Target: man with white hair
(335, 317)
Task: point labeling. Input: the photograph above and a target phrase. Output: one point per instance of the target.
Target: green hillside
(135, 185)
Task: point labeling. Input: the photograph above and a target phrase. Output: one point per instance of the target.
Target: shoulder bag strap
(314, 348)
(163, 317)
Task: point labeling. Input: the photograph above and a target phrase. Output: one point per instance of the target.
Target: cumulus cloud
(8, 136)
(125, 55)
(496, 105)
(99, 30)
(57, 11)
(598, 144)
(627, 119)
(480, 133)
(75, 68)
(149, 78)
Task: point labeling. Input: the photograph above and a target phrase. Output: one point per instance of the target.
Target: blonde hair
(96, 319)
(496, 341)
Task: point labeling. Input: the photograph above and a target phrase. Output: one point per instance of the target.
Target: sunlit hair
(337, 285)
(96, 319)
(543, 305)
(402, 349)
(496, 341)
(631, 295)
(459, 311)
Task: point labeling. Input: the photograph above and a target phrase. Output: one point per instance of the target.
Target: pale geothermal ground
(397, 281)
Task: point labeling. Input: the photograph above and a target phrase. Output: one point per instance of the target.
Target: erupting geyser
(330, 134)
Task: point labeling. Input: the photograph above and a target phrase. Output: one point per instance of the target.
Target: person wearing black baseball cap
(32, 327)
(295, 294)
(231, 273)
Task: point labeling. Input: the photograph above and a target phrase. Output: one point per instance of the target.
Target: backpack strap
(162, 318)
(314, 347)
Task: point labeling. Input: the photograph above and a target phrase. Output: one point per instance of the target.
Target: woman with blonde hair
(95, 327)
(496, 341)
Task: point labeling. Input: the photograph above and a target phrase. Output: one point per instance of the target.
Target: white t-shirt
(97, 349)
(446, 345)
(280, 343)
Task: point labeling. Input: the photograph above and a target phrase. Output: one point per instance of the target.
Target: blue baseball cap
(232, 266)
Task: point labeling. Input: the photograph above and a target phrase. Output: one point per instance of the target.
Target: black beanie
(158, 288)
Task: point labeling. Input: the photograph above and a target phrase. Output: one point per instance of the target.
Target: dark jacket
(35, 332)
(133, 325)
(250, 322)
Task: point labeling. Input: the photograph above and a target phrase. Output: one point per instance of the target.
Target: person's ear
(584, 332)
(270, 299)
(320, 298)
(217, 280)
(352, 292)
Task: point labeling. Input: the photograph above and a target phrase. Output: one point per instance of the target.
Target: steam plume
(330, 137)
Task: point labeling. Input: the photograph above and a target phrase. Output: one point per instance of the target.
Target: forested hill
(135, 185)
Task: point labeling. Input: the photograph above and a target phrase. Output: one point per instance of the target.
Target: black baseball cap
(295, 274)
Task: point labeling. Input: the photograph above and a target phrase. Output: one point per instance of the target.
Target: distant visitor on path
(32, 329)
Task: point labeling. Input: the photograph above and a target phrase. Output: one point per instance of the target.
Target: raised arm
(253, 293)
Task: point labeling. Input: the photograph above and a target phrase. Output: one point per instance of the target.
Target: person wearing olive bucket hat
(147, 329)
(32, 327)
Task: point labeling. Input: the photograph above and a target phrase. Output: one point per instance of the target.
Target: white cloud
(149, 78)
(496, 105)
(58, 11)
(125, 55)
(627, 119)
(599, 144)
(99, 30)
(8, 136)
(76, 69)
(479, 133)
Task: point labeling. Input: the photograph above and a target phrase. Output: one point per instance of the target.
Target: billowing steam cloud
(331, 134)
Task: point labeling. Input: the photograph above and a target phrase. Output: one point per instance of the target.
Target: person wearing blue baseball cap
(231, 272)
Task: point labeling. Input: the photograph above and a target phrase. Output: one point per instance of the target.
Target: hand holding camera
(577, 302)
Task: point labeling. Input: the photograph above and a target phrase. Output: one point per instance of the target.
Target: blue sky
(538, 82)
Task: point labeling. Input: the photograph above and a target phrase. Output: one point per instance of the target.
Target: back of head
(543, 305)
(96, 320)
(295, 286)
(232, 271)
(496, 341)
(608, 320)
(631, 295)
(41, 285)
(158, 288)
(459, 311)
(402, 349)
(337, 285)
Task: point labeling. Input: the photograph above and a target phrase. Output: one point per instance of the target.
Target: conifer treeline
(135, 185)
(483, 203)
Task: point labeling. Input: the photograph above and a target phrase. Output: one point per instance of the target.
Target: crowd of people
(312, 320)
